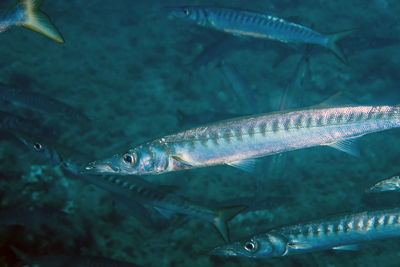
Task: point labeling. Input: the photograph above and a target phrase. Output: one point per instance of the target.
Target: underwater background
(137, 75)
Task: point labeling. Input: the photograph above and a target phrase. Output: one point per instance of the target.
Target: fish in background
(27, 13)
(341, 233)
(69, 260)
(301, 75)
(238, 142)
(41, 102)
(390, 184)
(258, 203)
(169, 203)
(242, 92)
(275, 165)
(221, 48)
(240, 88)
(12, 123)
(44, 153)
(135, 191)
(257, 25)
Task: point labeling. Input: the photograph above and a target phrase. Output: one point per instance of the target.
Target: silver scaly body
(257, 25)
(136, 190)
(335, 233)
(167, 203)
(247, 23)
(237, 141)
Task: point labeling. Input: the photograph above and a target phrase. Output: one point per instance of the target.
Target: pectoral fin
(247, 165)
(164, 212)
(181, 160)
(347, 248)
(348, 146)
(300, 245)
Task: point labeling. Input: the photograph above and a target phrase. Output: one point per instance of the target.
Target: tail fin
(35, 19)
(334, 39)
(223, 216)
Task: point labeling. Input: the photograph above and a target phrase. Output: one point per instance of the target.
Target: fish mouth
(224, 251)
(101, 167)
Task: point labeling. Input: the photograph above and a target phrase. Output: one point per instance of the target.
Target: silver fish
(258, 25)
(168, 203)
(342, 232)
(27, 13)
(138, 190)
(391, 184)
(237, 142)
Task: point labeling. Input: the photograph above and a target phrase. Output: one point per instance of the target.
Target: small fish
(212, 52)
(258, 25)
(16, 124)
(341, 233)
(44, 153)
(138, 190)
(13, 122)
(256, 203)
(239, 141)
(168, 203)
(300, 76)
(240, 87)
(27, 13)
(40, 102)
(391, 184)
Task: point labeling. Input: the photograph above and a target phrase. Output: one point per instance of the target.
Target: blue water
(130, 69)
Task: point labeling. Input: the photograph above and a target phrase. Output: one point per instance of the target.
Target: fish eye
(129, 159)
(186, 11)
(37, 146)
(250, 246)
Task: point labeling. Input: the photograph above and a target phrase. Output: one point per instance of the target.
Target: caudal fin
(333, 44)
(35, 19)
(223, 216)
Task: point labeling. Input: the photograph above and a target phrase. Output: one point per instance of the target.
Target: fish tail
(333, 44)
(223, 216)
(36, 20)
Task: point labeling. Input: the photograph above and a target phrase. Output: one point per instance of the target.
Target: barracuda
(169, 203)
(258, 25)
(237, 142)
(341, 232)
(390, 184)
(134, 190)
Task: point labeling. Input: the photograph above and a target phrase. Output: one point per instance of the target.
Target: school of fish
(237, 140)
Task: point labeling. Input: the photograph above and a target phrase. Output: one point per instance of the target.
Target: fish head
(137, 161)
(391, 184)
(43, 152)
(264, 246)
(186, 13)
(248, 249)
